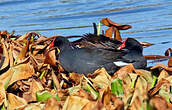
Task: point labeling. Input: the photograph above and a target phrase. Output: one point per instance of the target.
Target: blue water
(151, 20)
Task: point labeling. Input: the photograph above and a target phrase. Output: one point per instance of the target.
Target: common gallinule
(87, 59)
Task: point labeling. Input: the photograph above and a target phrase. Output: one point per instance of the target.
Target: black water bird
(87, 59)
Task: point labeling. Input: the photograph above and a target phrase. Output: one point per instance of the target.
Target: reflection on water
(150, 19)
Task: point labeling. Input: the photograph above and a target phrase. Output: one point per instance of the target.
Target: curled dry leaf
(6, 61)
(158, 86)
(102, 79)
(117, 35)
(5, 77)
(27, 35)
(56, 81)
(114, 28)
(162, 66)
(21, 71)
(170, 62)
(23, 52)
(154, 57)
(35, 86)
(15, 102)
(4, 33)
(76, 78)
(159, 103)
(75, 103)
(2, 94)
(109, 32)
(140, 94)
(34, 106)
(53, 104)
(50, 58)
(83, 94)
(47, 39)
(127, 88)
(163, 74)
(122, 72)
(146, 75)
(106, 98)
(94, 105)
(11, 56)
(168, 52)
(110, 23)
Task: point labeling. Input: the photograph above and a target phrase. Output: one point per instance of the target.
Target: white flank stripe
(120, 63)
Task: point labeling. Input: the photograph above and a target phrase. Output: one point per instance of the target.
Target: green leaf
(43, 96)
(58, 98)
(116, 87)
(2, 108)
(154, 81)
(13, 38)
(149, 107)
(99, 28)
(42, 74)
(133, 82)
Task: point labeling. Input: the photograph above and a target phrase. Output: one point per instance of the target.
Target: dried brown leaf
(11, 56)
(21, 71)
(162, 66)
(47, 39)
(124, 71)
(56, 81)
(33, 106)
(170, 62)
(158, 86)
(168, 52)
(75, 78)
(35, 86)
(154, 57)
(146, 75)
(106, 98)
(94, 105)
(82, 94)
(23, 52)
(164, 74)
(117, 35)
(127, 89)
(52, 104)
(15, 102)
(27, 35)
(110, 23)
(4, 33)
(24, 37)
(75, 103)
(159, 103)
(50, 58)
(7, 60)
(102, 79)
(139, 95)
(5, 77)
(2, 93)
(109, 32)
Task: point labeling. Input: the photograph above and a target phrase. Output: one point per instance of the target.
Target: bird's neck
(66, 47)
(135, 52)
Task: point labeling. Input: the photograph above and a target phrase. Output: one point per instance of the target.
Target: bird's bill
(122, 45)
(52, 44)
